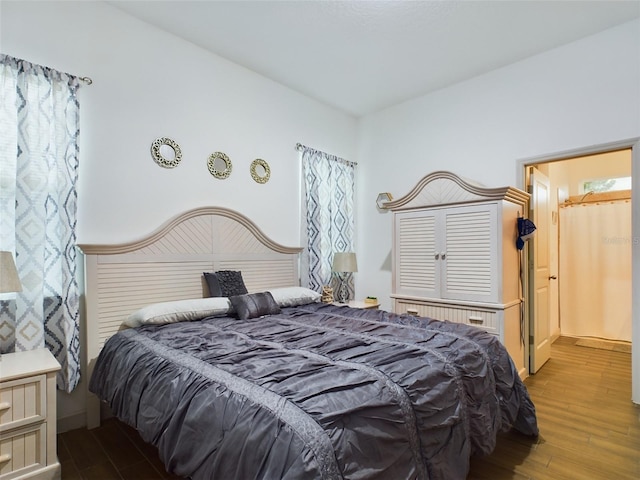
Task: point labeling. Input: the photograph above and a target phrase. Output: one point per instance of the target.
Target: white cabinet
(28, 416)
(455, 257)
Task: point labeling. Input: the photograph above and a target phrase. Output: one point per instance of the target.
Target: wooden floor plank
(120, 449)
(100, 471)
(139, 471)
(84, 448)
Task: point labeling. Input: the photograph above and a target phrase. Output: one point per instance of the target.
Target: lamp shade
(344, 262)
(9, 281)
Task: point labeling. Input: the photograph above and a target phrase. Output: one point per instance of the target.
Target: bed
(273, 383)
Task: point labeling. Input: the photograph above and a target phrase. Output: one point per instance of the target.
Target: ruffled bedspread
(318, 391)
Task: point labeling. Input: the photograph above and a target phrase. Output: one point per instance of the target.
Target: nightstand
(28, 416)
(359, 304)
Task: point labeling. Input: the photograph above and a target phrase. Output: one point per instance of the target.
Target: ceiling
(363, 56)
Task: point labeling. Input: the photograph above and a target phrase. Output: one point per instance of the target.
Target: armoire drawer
(487, 320)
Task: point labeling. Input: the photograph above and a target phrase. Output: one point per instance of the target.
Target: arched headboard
(168, 264)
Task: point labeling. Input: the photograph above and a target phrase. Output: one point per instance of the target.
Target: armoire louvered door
(447, 253)
(418, 272)
(469, 253)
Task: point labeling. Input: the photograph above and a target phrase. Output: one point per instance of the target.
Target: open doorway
(554, 325)
(588, 237)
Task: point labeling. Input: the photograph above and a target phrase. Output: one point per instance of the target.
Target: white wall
(149, 84)
(582, 94)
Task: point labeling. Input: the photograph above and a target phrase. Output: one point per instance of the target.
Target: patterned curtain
(39, 121)
(329, 192)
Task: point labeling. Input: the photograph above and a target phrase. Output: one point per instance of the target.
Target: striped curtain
(328, 207)
(39, 121)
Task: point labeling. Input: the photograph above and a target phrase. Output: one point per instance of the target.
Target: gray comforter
(318, 391)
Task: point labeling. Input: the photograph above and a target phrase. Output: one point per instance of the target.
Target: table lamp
(344, 263)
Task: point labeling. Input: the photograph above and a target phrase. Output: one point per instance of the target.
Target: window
(606, 185)
(328, 210)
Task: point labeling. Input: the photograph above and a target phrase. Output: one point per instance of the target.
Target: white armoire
(455, 257)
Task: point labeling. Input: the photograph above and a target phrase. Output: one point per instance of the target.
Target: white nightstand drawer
(28, 416)
(22, 402)
(22, 451)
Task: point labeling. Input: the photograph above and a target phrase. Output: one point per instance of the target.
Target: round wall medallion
(260, 171)
(166, 152)
(219, 165)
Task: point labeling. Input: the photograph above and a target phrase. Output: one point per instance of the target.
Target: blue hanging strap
(526, 228)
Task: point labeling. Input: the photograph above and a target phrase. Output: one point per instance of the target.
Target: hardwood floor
(113, 451)
(589, 430)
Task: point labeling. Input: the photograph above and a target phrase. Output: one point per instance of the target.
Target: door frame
(634, 145)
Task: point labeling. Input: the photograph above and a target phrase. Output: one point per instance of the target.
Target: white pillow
(179, 311)
(293, 296)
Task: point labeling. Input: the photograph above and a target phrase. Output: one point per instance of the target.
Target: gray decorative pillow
(213, 283)
(225, 283)
(254, 305)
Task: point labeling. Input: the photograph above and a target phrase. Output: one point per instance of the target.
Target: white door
(540, 327)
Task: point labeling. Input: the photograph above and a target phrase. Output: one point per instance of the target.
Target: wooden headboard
(168, 264)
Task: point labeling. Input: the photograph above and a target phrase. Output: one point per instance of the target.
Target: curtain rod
(85, 80)
(597, 197)
(567, 204)
(29, 65)
(300, 147)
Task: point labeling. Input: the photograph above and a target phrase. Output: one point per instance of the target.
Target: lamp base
(343, 290)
